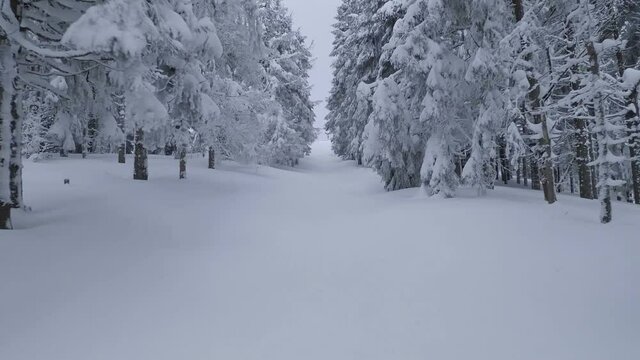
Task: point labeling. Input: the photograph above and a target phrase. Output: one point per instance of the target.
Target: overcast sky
(315, 19)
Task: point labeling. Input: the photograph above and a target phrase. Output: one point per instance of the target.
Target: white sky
(315, 19)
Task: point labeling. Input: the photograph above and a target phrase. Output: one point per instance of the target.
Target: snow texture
(317, 263)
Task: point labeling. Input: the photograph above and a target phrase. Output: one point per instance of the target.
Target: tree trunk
(7, 62)
(535, 174)
(604, 168)
(212, 158)
(632, 122)
(583, 159)
(122, 158)
(525, 172)
(183, 161)
(85, 147)
(15, 165)
(572, 182)
(5, 216)
(633, 133)
(545, 154)
(140, 164)
(582, 136)
(504, 162)
(634, 154)
(120, 113)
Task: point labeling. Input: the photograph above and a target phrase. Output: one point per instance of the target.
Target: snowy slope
(317, 263)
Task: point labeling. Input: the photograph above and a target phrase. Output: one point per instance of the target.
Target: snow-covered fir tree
(472, 91)
(189, 75)
(361, 30)
(287, 62)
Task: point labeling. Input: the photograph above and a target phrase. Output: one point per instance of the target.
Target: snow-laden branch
(11, 27)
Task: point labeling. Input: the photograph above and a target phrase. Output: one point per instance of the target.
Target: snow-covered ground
(247, 263)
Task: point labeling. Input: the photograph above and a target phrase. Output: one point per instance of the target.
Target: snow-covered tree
(360, 32)
(470, 90)
(288, 61)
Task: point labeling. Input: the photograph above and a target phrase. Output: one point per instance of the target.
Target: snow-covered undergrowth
(316, 263)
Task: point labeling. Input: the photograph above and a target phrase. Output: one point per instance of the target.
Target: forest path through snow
(254, 263)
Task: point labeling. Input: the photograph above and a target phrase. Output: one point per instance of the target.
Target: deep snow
(250, 263)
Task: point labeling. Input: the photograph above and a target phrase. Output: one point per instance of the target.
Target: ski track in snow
(317, 262)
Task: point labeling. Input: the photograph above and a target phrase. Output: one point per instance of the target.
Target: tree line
(225, 77)
(439, 94)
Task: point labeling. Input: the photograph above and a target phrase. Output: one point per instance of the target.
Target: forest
(319, 180)
(440, 94)
(149, 77)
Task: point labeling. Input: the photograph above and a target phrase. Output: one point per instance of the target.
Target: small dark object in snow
(67, 182)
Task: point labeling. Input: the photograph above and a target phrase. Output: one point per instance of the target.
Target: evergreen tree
(288, 61)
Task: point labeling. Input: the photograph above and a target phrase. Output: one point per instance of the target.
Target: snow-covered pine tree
(183, 82)
(530, 34)
(487, 74)
(139, 36)
(238, 133)
(605, 128)
(582, 135)
(443, 116)
(599, 92)
(360, 32)
(286, 65)
(395, 136)
(336, 123)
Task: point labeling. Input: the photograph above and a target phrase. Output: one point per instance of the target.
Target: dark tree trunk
(535, 174)
(583, 159)
(7, 62)
(15, 164)
(120, 113)
(212, 158)
(558, 175)
(122, 158)
(582, 136)
(5, 216)
(518, 9)
(545, 153)
(572, 182)
(504, 162)
(183, 161)
(85, 146)
(525, 172)
(140, 170)
(458, 169)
